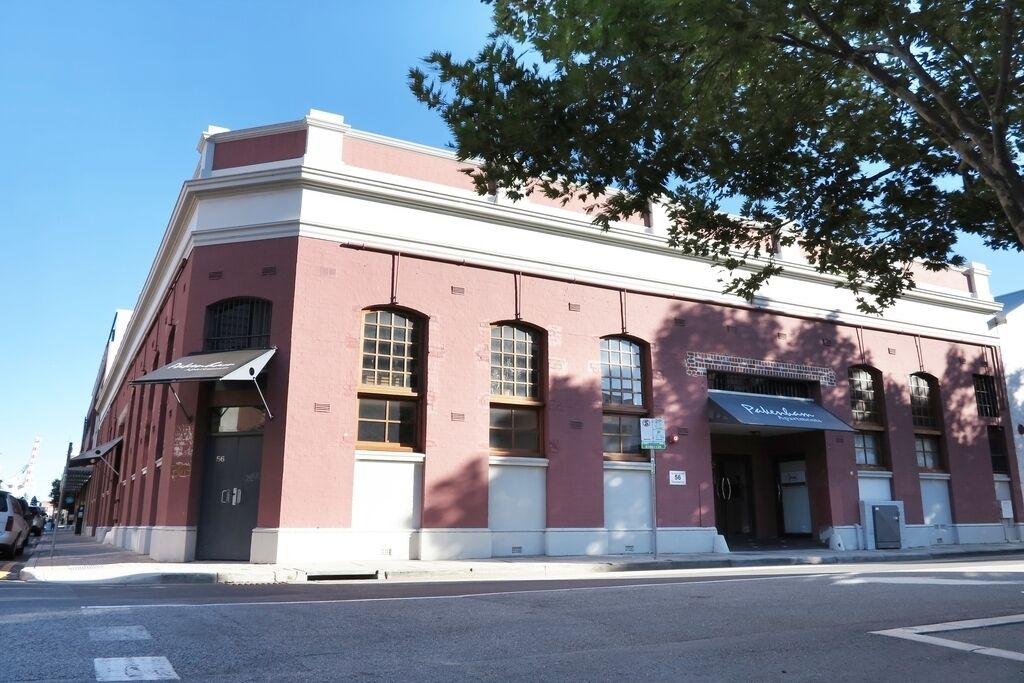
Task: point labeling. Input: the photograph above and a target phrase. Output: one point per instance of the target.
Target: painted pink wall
(310, 454)
(951, 279)
(241, 268)
(377, 156)
(259, 150)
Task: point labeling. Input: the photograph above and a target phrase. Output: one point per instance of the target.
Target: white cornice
(177, 243)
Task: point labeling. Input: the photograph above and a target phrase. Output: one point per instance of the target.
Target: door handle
(224, 496)
(236, 496)
(729, 482)
(778, 486)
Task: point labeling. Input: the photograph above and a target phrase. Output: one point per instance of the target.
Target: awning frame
(249, 370)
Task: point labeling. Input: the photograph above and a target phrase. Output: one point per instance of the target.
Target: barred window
(390, 380)
(516, 396)
(927, 450)
(985, 394)
(868, 447)
(240, 323)
(922, 401)
(864, 398)
(755, 384)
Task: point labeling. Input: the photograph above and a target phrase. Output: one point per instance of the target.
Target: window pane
(237, 419)
(513, 370)
(387, 421)
(387, 363)
(621, 373)
(371, 408)
(240, 323)
(526, 440)
(621, 434)
(372, 431)
(501, 439)
(515, 429)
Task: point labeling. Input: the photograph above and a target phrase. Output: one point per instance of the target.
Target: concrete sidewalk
(80, 559)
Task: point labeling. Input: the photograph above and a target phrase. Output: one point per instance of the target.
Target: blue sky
(103, 103)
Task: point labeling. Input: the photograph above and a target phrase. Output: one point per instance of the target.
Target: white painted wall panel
(935, 501)
(516, 499)
(387, 495)
(874, 488)
(627, 499)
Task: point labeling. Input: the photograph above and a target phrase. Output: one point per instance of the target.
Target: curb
(266, 576)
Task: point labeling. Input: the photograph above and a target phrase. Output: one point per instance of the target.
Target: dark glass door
(733, 502)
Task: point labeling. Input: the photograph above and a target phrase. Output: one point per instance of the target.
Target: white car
(14, 530)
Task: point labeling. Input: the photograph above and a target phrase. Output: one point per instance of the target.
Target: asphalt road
(777, 624)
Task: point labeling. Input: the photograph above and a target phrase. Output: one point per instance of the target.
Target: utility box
(886, 520)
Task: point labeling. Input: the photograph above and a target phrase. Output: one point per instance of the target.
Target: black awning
(210, 367)
(86, 457)
(773, 411)
(75, 479)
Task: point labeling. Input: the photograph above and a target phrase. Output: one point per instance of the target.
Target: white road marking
(439, 597)
(103, 633)
(918, 634)
(134, 669)
(918, 580)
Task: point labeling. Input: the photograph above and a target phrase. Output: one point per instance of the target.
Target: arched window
(924, 409)
(622, 398)
(390, 380)
(923, 392)
(240, 323)
(867, 403)
(516, 392)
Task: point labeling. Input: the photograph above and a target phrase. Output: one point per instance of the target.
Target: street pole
(654, 501)
(60, 501)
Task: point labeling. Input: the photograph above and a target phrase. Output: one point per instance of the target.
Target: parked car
(14, 529)
(37, 521)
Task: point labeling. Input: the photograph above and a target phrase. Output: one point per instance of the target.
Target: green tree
(55, 493)
(867, 132)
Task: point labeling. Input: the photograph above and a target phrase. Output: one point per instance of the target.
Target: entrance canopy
(86, 457)
(210, 367)
(243, 364)
(754, 410)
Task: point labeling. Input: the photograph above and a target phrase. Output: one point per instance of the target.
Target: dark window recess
(985, 394)
(997, 448)
(753, 384)
(233, 324)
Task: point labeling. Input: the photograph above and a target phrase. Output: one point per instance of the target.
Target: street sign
(652, 432)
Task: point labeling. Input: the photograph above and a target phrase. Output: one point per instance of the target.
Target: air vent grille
(321, 407)
(458, 291)
(216, 274)
(458, 417)
(575, 308)
(268, 270)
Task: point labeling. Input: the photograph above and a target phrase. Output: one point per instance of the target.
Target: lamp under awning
(244, 364)
(87, 456)
(755, 410)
